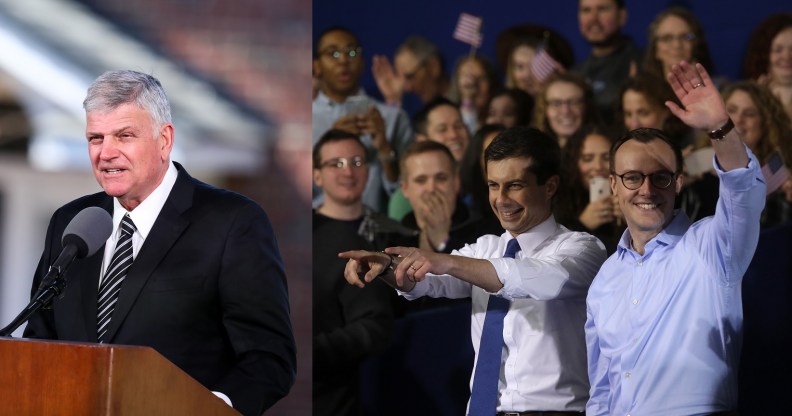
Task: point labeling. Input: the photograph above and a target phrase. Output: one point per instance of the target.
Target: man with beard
(614, 56)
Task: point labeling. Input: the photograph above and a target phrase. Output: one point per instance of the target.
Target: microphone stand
(55, 283)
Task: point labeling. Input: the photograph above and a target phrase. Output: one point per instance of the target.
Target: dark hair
(332, 136)
(700, 52)
(471, 176)
(573, 149)
(646, 135)
(523, 105)
(656, 91)
(421, 118)
(530, 143)
(426, 146)
(757, 56)
(532, 36)
(774, 121)
(619, 4)
(326, 32)
(489, 73)
(574, 198)
(590, 115)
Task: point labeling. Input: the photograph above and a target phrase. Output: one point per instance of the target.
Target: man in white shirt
(542, 366)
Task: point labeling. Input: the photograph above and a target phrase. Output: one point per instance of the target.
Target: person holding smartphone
(342, 104)
(587, 204)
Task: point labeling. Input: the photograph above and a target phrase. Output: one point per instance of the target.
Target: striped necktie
(484, 395)
(114, 277)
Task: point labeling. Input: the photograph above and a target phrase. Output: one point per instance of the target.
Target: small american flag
(543, 64)
(468, 30)
(775, 173)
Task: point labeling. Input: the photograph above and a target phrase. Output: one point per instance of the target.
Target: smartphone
(599, 188)
(357, 105)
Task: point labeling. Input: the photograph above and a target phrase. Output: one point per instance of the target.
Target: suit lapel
(167, 229)
(88, 271)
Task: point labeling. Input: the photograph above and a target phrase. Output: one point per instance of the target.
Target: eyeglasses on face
(572, 103)
(351, 53)
(682, 37)
(410, 75)
(633, 180)
(342, 163)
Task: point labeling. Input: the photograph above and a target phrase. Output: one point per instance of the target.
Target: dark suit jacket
(207, 290)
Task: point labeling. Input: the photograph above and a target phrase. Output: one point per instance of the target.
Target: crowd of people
(641, 153)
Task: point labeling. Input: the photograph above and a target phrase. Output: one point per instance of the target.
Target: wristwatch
(720, 133)
(389, 267)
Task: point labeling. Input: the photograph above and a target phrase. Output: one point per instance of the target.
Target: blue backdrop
(383, 25)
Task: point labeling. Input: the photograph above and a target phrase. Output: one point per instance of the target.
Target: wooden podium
(67, 378)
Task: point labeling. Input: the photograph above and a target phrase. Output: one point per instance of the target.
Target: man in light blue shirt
(342, 104)
(664, 314)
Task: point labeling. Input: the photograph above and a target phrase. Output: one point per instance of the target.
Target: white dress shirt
(143, 216)
(543, 366)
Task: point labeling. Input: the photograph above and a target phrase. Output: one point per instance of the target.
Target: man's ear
(317, 177)
(613, 186)
(679, 183)
(551, 186)
(317, 69)
(166, 134)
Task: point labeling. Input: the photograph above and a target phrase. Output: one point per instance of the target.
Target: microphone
(83, 236)
(86, 232)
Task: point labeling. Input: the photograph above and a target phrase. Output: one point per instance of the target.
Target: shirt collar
(531, 239)
(323, 99)
(668, 236)
(147, 212)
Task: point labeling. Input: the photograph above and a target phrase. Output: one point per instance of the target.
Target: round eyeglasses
(633, 180)
(682, 37)
(342, 163)
(351, 53)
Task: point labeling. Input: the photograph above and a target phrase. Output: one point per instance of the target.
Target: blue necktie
(484, 395)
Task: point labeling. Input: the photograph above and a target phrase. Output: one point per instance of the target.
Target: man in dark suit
(206, 287)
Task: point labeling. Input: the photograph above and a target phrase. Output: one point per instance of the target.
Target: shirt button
(640, 263)
(627, 374)
(635, 301)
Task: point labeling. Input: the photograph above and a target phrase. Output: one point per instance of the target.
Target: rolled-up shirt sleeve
(562, 269)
